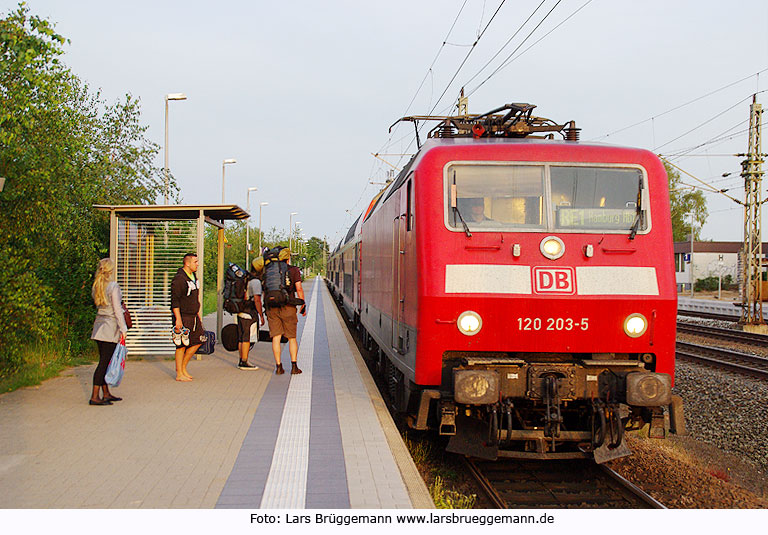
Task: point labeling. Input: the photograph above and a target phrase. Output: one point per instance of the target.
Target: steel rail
(723, 358)
(615, 489)
(722, 334)
(634, 489)
(486, 485)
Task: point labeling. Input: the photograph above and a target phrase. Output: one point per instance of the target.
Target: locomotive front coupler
(507, 407)
(553, 417)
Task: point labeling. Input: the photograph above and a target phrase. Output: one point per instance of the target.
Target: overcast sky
(302, 92)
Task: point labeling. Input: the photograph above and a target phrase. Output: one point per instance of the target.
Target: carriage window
(496, 196)
(596, 198)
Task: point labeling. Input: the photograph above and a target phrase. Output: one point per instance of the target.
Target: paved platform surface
(228, 439)
(712, 306)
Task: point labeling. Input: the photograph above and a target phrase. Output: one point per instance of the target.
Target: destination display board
(595, 218)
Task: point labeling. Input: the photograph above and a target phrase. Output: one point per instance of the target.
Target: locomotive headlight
(552, 247)
(469, 323)
(476, 387)
(635, 325)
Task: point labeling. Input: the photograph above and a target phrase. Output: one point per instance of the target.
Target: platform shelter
(147, 244)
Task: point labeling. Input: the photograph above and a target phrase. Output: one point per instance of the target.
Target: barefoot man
(188, 333)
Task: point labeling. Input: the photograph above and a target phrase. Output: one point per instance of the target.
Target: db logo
(554, 281)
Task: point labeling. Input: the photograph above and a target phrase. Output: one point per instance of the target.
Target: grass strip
(38, 362)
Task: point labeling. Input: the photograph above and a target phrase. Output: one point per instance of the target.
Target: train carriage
(519, 292)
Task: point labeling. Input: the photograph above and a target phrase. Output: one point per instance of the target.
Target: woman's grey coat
(110, 321)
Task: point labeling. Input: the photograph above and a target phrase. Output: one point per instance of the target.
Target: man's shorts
(244, 329)
(282, 321)
(195, 326)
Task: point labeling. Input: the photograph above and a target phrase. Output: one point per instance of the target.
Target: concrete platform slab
(227, 439)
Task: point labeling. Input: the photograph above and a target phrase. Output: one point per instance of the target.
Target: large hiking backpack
(274, 278)
(235, 283)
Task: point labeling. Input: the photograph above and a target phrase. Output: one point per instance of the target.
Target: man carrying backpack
(252, 312)
(281, 284)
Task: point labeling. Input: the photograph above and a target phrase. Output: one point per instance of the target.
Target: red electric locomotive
(519, 291)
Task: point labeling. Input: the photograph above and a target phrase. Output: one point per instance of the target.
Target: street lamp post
(169, 96)
(692, 279)
(248, 228)
(295, 233)
(224, 164)
(290, 230)
(303, 249)
(261, 205)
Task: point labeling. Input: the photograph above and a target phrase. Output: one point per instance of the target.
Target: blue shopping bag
(116, 366)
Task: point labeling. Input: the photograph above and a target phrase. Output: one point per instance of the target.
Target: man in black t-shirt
(188, 333)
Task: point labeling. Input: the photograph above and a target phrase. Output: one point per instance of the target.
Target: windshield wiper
(466, 228)
(639, 215)
(455, 206)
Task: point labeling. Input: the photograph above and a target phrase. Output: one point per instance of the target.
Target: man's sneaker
(176, 337)
(245, 366)
(185, 336)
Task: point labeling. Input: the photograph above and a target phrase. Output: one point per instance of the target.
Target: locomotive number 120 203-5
(552, 324)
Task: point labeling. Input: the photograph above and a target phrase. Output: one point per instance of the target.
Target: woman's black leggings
(105, 355)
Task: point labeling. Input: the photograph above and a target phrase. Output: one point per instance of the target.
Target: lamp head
(175, 96)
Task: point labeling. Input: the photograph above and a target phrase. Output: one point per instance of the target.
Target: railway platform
(709, 306)
(228, 439)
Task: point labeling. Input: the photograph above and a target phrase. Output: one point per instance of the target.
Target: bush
(709, 284)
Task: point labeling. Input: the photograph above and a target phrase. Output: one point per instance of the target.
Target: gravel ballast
(723, 460)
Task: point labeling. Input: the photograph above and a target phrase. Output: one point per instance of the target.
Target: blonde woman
(108, 327)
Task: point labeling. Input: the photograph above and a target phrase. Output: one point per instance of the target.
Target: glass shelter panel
(149, 252)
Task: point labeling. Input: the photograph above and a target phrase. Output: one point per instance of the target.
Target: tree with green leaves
(683, 200)
(62, 150)
(234, 248)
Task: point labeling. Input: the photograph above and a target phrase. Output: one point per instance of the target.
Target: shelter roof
(217, 212)
(712, 246)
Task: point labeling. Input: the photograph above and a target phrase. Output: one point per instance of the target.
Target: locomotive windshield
(495, 196)
(594, 198)
(555, 197)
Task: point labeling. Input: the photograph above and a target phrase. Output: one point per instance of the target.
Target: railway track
(723, 334)
(724, 358)
(511, 484)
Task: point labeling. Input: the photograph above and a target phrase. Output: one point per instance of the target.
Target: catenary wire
(702, 124)
(426, 75)
(507, 43)
(464, 61)
(511, 59)
(720, 138)
(458, 70)
(389, 142)
(680, 105)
